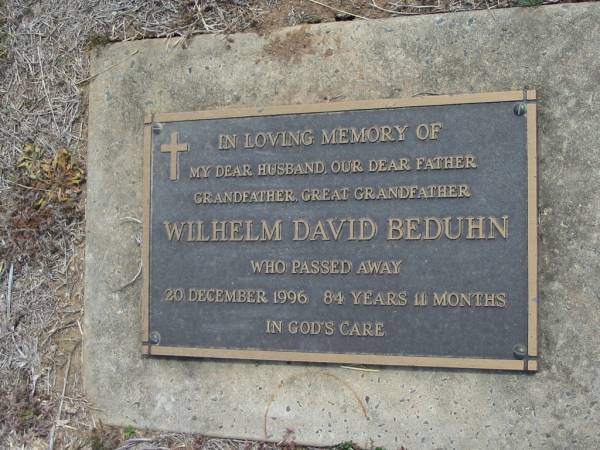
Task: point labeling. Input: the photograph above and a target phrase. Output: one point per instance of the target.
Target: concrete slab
(554, 49)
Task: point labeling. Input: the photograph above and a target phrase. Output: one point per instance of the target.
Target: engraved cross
(174, 148)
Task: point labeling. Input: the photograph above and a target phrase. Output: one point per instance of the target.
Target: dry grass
(44, 71)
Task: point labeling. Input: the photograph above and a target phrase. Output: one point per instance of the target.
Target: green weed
(530, 2)
(128, 432)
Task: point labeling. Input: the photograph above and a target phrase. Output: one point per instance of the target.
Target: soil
(285, 13)
(292, 47)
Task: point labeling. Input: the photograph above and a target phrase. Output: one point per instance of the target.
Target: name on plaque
(392, 232)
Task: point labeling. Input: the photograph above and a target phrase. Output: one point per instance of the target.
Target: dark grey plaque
(397, 232)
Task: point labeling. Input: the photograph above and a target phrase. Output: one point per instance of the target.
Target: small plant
(44, 202)
(348, 445)
(102, 438)
(54, 179)
(95, 40)
(128, 432)
(530, 2)
(22, 412)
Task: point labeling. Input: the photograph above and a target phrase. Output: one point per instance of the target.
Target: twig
(91, 77)
(56, 330)
(45, 88)
(62, 397)
(9, 289)
(391, 11)
(338, 10)
(419, 94)
(131, 219)
(410, 5)
(133, 441)
(361, 369)
(27, 187)
(490, 10)
(129, 283)
(139, 272)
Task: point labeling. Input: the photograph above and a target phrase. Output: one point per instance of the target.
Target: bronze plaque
(397, 232)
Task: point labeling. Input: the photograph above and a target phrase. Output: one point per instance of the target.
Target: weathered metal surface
(457, 233)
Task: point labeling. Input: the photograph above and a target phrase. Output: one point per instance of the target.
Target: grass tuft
(52, 180)
(530, 3)
(128, 432)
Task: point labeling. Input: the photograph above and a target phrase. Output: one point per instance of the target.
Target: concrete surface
(554, 49)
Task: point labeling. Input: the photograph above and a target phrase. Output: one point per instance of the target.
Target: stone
(553, 49)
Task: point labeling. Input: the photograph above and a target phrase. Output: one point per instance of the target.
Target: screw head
(520, 109)
(519, 351)
(154, 338)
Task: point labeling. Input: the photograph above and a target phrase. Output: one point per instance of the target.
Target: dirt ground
(44, 74)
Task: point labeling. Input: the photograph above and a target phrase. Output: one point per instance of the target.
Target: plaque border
(529, 363)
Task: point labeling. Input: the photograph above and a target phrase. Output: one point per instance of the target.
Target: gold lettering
(438, 224)
(502, 229)
(358, 137)
(470, 299)
(342, 136)
(473, 227)
(328, 137)
(361, 329)
(395, 230)
(386, 134)
(227, 141)
(273, 234)
(274, 326)
(422, 131)
(200, 171)
(435, 130)
(448, 228)
(411, 228)
(174, 230)
(218, 230)
(401, 131)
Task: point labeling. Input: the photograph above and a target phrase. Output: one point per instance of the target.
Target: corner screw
(157, 127)
(519, 351)
(154, 338)
(520, 109)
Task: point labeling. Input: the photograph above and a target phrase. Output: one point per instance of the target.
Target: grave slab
(553, 49)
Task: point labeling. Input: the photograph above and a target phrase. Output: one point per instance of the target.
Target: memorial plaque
(397, 232)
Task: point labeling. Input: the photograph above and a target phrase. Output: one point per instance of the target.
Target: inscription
(333, 229)
(328, 328)
(398, 231)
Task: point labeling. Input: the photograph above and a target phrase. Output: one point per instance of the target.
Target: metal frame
(529, 363)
